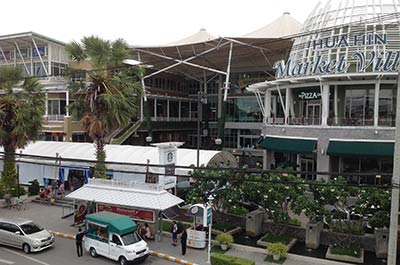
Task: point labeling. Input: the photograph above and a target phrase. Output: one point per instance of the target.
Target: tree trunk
(100, 169)
(9, 174)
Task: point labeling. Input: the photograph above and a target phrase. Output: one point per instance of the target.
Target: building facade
(45, 59)
(332, 105)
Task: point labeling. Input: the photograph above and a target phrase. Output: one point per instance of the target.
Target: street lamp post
(218, 142)
(198, 128)
(209, 222)
(19, 158)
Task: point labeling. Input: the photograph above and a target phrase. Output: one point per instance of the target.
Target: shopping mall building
(332, 105)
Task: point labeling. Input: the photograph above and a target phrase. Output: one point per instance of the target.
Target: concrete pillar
(267, 103)
(325, 105)
(376, 104)
(313, 234)
(287, 103)
(322, 158)
(67, 129)
(67, 102)
(335, 104)
(381, 242)
(46, 113)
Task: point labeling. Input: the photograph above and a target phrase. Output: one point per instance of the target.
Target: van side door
(116, 247)
(11, 235)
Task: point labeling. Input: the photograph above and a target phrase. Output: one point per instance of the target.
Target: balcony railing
(339, 121)
(55, 117)
(173, 119)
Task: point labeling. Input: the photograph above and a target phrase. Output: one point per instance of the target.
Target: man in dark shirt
(183, 242)
(79, 238)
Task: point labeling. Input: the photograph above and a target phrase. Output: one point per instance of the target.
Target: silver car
(25, 234)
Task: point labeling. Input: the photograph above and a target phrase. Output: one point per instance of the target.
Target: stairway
(126, 133)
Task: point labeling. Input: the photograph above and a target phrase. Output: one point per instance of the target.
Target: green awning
(289, 145)
(116, 223)
(359, 148)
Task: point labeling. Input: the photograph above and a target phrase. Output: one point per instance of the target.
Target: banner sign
(376, 61)
(80, 211)
(135, 214)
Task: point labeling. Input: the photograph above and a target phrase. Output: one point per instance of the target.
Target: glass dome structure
(350, 36)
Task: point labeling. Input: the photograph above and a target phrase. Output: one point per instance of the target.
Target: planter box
(260, 242)
(231, 232)
(346, 258)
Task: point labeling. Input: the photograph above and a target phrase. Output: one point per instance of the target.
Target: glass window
(115, 239)
(185, 109)
(387, 105)
(161, 108)
(359, 105)
(31, 228)
(130, 238)
(173, 108)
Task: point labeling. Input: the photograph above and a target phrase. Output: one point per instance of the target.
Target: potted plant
(225, 240)
(277, 250)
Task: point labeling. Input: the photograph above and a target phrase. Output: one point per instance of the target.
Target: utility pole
(394, 209)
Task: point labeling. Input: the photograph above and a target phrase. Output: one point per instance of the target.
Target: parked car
(114, 236)
(25, 234)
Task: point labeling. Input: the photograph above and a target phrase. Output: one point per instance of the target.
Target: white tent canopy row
(53, 155)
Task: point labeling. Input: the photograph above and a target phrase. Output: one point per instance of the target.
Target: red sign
(135, 214)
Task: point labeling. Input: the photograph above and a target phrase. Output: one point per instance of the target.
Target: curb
(69, 236)
(170, 258)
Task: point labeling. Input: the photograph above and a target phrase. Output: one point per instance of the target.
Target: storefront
(337, 86)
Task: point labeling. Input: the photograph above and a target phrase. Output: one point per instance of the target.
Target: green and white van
(114, 236)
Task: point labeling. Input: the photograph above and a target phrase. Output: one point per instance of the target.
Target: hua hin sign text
(373, 60)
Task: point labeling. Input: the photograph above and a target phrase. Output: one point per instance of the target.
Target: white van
(25, 234)
(114, 236)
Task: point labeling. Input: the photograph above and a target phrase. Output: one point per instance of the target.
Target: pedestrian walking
(183, 242)
(175, 234)
(79, 238)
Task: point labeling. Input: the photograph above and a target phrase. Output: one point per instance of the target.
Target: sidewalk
(50, 218)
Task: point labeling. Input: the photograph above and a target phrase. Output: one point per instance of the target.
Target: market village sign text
(386, 61)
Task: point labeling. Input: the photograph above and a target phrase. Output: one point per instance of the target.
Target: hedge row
(221, 259)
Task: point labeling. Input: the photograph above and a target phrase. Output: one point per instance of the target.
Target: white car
(25, 234)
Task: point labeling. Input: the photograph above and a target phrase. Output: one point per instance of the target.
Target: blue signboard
(209, 216)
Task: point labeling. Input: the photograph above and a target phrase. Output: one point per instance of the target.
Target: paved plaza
(63, 253)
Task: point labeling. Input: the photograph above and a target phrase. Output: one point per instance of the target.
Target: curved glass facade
(346, 37)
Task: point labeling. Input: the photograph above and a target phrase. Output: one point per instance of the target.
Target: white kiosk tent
(43, 159)
(142, 202)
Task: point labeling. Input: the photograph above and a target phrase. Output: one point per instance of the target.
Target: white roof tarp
(283, 26)
(200, 36)
(130, 197)
(85, 152)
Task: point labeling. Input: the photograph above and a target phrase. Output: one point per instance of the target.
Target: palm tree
(108, 100)
(22, 105)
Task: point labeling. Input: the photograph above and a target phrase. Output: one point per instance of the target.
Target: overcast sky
(144, 22)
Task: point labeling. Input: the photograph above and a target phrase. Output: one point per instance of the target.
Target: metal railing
(332, 121)
(173, 119)
(126, 184)
(55, 117)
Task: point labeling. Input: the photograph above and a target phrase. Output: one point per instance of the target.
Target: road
(62, 253)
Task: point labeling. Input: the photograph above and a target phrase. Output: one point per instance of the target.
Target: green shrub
(223, 227)
(225, 239)
(285, 239)
(238, 210)
(33, 189)
(348, 251)
(221, 259)
(277, 249)
(295, 222)
(352, 229)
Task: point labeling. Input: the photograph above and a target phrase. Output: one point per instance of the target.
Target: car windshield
(130, 238)
(31, 228)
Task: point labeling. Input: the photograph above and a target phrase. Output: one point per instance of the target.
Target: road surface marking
(6, 261)
(24, 256)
